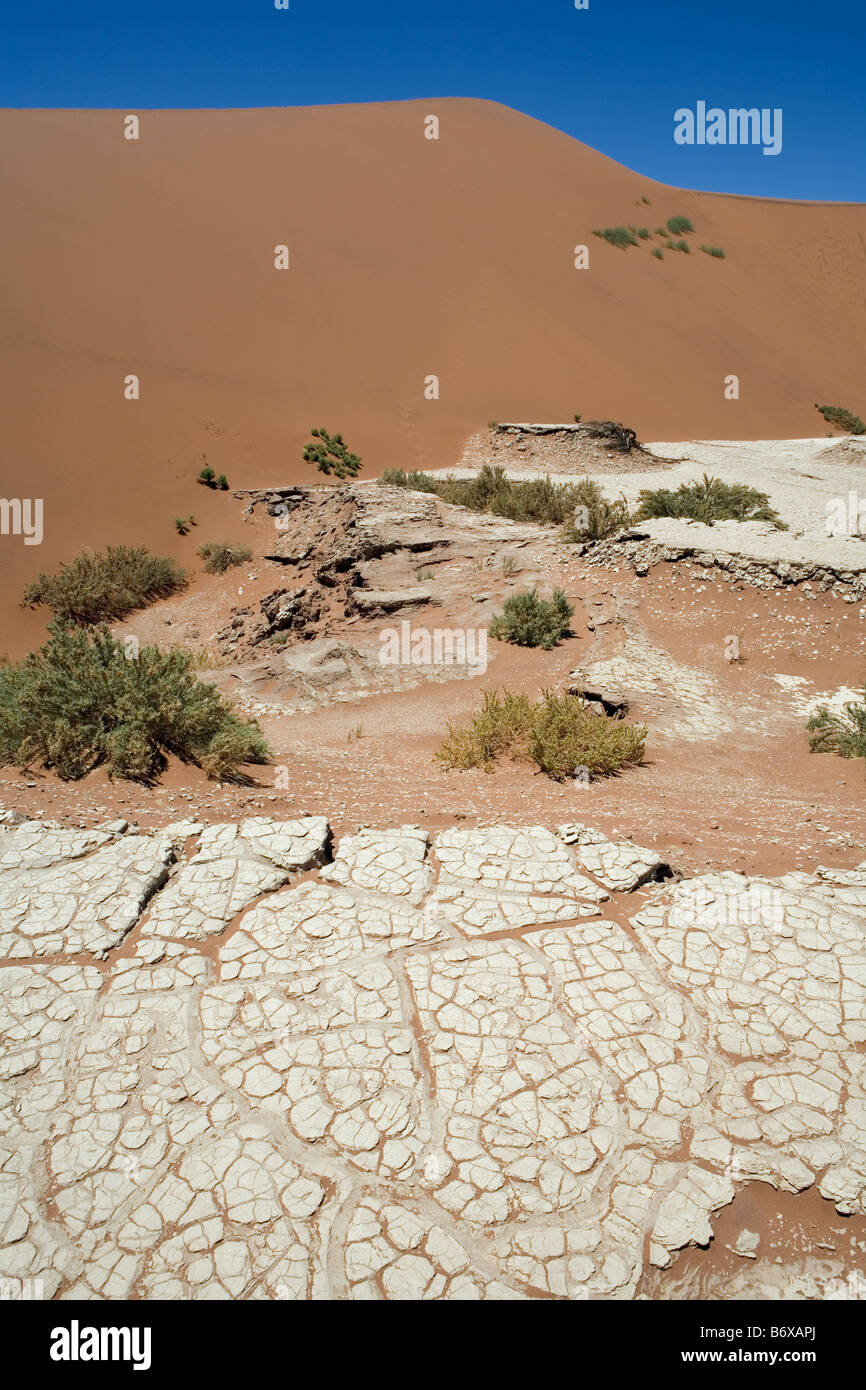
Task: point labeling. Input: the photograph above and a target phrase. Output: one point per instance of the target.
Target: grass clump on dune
(530, 621)
(79, 703)
(558, 733)
(843, 733)
(716, 251)
(581, 506)
(708, 500)
(677, 225)
(96, 588)
(219, 556)
(531, 499)
(617, 236)
(843, 419)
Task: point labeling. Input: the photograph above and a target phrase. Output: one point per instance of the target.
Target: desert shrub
(617, 236)
(222, 483)
(559, 733)
(843, 419)
(657, 251)
(207, 476)
(682, 246)
(708, 500)
(532, 499)
(594, 516)
(220, 556)
(716, 251)
(677, 225)
(183, 523)
(415, 481)
(530, 621)
(79, 703)
(619, 439)
(843, 733)
(330, 455)
(103, 588)
(643, 233)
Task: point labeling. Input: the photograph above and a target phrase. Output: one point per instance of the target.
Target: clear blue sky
(612, 75)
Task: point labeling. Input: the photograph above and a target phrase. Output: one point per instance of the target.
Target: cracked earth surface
(490, 1063)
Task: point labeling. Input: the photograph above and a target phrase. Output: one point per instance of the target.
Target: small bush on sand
(658, 253)
(207, 477)
(103, 588)
(716, 251)
(617, 236)
(677, 225)
(530, 621)
(843, 419)
(843, 733)
(559, 733)
(220, 556)
(182, 524)
(330, 455)
(709, 500)
(79, 703)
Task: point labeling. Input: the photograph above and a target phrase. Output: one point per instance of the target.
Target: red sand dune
(408, 257)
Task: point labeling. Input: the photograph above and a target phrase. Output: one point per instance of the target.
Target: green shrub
(617, 236)
(530, 621)
(681, 246)
(183, 523)
(709, 500)
(559, 733)
(103, 588)
(643, 233)
(595, 517)
(716, 251)
(533, 499)
(677, 225)
(330, 455)
(222, 483)
(843, 419)
(220, 556)
(207, 476)
(843, 733)
(657, 251)
(79, 703)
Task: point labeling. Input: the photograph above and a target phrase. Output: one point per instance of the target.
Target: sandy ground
(728, 782)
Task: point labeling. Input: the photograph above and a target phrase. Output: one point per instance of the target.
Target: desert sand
(408, 257)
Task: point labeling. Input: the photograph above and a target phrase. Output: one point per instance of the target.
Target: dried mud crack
(491, 1062)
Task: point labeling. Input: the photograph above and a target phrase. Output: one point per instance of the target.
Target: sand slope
(409, 257)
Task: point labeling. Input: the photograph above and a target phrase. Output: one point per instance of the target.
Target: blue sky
(611, 75)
